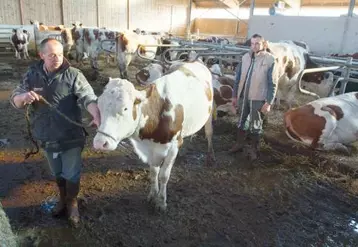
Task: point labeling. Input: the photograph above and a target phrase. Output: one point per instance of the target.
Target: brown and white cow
(20, 39)
(157, 119)
(41, 27)
(327, 123)
(290, 60)
(127, 45)
(88, 40)
(222, 84)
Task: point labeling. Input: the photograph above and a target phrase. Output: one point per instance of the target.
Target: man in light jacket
(254, 92)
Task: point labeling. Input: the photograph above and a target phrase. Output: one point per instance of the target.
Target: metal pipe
(188, 22)
(252, 7)
(351, 8)
(342, 89)
(331, 93)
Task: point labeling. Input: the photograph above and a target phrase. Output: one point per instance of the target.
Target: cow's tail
(290, 132)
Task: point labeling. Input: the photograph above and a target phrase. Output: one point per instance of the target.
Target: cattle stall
(291, 196)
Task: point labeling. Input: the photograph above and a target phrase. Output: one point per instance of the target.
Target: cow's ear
(13, 30)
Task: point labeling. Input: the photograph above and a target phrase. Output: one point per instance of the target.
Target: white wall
(324, 35)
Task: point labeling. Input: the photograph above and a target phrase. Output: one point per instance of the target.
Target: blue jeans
(66, 164)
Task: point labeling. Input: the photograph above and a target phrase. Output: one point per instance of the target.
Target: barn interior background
(295, 198)
(332, 23)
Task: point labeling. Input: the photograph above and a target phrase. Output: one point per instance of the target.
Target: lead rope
(27, 117)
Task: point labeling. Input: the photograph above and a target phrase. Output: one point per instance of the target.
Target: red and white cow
(157, 119)
(127, 44)
(41, 27)
(326, 124)
(222, 84)
(223, 90)
(20, 39)
(88, 40)
(290, 60)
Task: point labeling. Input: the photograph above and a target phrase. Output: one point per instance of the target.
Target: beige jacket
(260, 88)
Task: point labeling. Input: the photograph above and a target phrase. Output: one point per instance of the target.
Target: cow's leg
(153, 178)
(17, 54)
(210, 158)
(26, 53)
(164, 174)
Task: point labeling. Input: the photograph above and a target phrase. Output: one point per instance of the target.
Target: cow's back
(191, 87)
(326, 120)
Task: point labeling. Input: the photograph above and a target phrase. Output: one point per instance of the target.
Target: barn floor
(292, 197)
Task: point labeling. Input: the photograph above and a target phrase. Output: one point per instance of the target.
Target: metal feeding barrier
(347, 67)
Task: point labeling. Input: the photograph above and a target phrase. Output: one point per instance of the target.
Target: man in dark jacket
(65, 88)
(254, 92)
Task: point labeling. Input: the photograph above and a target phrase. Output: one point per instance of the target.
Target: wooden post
(21, 12)
(128, 20)
(62, 13)
(97, 7)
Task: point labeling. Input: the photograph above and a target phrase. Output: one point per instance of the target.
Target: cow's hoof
(161, 206)
(151, 198)
(210, 159)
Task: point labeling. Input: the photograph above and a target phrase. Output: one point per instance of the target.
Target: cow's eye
(125, 109)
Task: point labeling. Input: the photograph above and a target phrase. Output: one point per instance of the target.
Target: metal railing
(307, 71)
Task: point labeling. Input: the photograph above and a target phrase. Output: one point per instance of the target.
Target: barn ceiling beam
(232, 4)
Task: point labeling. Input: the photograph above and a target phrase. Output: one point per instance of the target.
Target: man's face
(256, 44)
(52, 55)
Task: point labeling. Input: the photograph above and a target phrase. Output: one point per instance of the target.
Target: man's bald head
(51, 51)
(49, 42)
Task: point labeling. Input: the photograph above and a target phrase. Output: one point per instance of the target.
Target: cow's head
(150, 73)
(216, 70)
(77, 24)
(119, 109)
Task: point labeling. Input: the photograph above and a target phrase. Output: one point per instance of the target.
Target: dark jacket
(65, 90)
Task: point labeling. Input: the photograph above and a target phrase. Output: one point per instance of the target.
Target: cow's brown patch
(142, 50)
(315, 77)
(226, 92)
(226, 81)
(208, 94)
(292, 67)
(109, 34)
(96, 34)
(87, 37)
(65, 36)
(122, 42)
(334, 110)
(186, 71)
(219, 100)
(160, 127)
(75, 34)
(303, 124)
(284, 59)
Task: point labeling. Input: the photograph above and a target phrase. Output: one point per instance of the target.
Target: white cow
(157, 119)
(20, 39)
(326, 124)
(290, 60)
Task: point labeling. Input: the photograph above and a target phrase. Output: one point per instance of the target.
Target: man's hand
(266, 108)
(92, 108)
(27, 98)
(234, 102)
